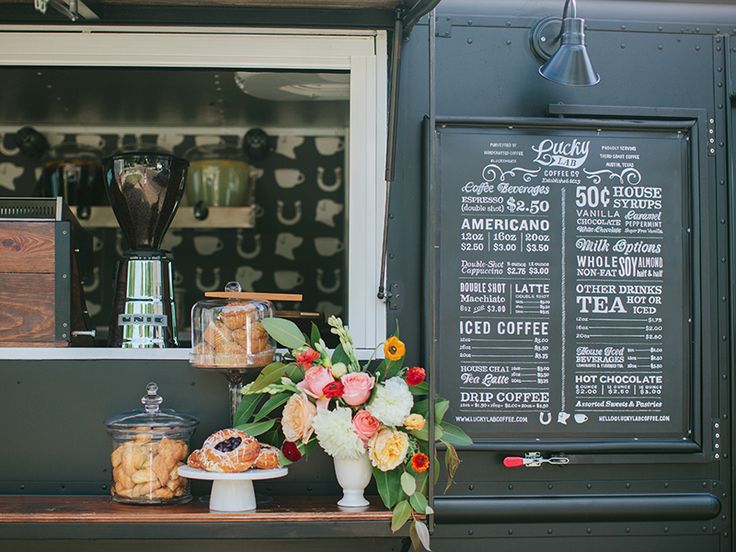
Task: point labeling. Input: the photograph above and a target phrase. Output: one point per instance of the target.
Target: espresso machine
(144, 189)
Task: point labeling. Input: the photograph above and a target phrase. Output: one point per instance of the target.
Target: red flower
(415, 376)
(291, 451)
(307, 358)
(333, 390)
(420, 462)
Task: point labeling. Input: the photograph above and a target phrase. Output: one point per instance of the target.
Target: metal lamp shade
(570, 64)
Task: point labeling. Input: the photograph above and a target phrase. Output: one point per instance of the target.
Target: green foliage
(421, 389)
(408, 483)
(454, 435)
(314, 336)
(285, 332)
(246, 408)
(339, 355)
(256, 428)
(389, 486)
(270, 374)
(271, 404)
(401, 515)
(419, 502)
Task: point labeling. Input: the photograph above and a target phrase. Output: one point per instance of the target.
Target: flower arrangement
(352, 409)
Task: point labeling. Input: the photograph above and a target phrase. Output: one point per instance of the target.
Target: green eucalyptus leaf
(388, 484)
(454, 435)
(247, 406)
(256, 428)
(339, 355)
(421, 389)
(423, 534)
(440, 409)
(408, 483)
(419, 502)
(452, 463)
(401, 515)
(393, 368)
(285, 332)
(314, 336)
(421, 407)
(294, 373)
(271, 404)
(415, 542)
(270, 374)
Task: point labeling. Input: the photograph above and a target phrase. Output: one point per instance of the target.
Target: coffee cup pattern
(298, 243)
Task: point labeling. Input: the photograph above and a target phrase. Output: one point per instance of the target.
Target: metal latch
(534, 460)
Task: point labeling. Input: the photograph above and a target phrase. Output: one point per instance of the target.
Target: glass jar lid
(151, 415)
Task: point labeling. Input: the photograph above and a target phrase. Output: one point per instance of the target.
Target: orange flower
(394, 348)
(420, 462)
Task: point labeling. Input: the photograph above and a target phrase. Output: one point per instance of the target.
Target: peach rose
(357, 387)
(414, 422)
(315, 380)
(387, 449)
(297, 418)
(365, 425)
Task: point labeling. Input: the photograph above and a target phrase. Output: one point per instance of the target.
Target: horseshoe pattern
(297, 208)
(327, 288)
(199, 279)
(253, 252)
(329, 187)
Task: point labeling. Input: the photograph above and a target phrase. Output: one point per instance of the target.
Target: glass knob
(233, 287)
(152, 400)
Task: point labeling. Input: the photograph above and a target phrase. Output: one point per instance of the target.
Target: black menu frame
(696, 284)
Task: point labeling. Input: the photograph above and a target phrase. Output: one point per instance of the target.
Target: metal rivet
(550, 486)
(470, 41)
(623, 27)
(723, 338)
(703, 528)
(723, 259)
(508, 23)
(666, 529)
(659, 46)
(63, 275)
(715, 483)
(717, 446)
(22, 487)
(510, 531)
(697, 48)
(64, 325)
(628, 485)
(666, 485)
(549, 531)
(508, 43)
(659, 27)
(63, 335)
(725, 377)
(716, 456)
(470, 21)
(720, 85)
(588, 530)
(723, 298)
(724, 516)
(589, 485)
(705, 483)
(511, 486)
(64, 232)
(720, 144)
(470, 531)
(471, 487)
(623, 45)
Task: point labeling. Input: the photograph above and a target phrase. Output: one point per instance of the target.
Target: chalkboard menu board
(564, 287)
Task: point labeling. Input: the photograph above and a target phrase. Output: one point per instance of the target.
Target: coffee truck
(543, 206)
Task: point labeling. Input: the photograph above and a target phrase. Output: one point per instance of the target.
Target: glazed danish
(226, 451)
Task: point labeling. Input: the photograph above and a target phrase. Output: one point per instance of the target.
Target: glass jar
(227, 332)
(74, 172)
(220, 176)
(149, 446)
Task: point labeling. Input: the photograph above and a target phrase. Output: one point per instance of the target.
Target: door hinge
(444, 27)
(393, 297)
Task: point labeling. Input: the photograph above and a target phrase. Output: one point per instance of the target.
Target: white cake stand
(232, 492)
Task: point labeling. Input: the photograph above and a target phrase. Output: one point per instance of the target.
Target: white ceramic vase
(353, 475)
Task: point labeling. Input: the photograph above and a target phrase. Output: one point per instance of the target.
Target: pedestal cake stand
(232, 492)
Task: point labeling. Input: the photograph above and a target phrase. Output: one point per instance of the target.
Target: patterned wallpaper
(297, 245)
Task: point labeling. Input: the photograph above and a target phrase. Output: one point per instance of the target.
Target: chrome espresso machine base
(145, 315)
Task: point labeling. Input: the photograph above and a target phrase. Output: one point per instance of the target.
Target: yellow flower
(414, 422)
(394, 348)
(387, 449)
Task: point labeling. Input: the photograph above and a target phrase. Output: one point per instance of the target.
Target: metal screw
(64, 232)
(63, 275)
(64, 325)
(470, 41)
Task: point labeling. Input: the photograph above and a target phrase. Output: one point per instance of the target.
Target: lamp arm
(574, 9)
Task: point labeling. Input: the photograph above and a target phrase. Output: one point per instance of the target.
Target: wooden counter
(86, 517)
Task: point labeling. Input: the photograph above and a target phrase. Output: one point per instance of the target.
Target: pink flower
(315, 380)
(365, 425)
(357, 387)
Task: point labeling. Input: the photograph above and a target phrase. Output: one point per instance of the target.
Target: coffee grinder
(144, 189)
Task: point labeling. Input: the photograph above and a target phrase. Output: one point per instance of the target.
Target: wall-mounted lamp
(562, 43)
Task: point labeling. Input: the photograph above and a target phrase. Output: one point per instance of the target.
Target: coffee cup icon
(581, 418)
(328, 145)
(207, 245)
(288, 178)
(91, 140)
(287, 279)
(562, 417)
(327, 246)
